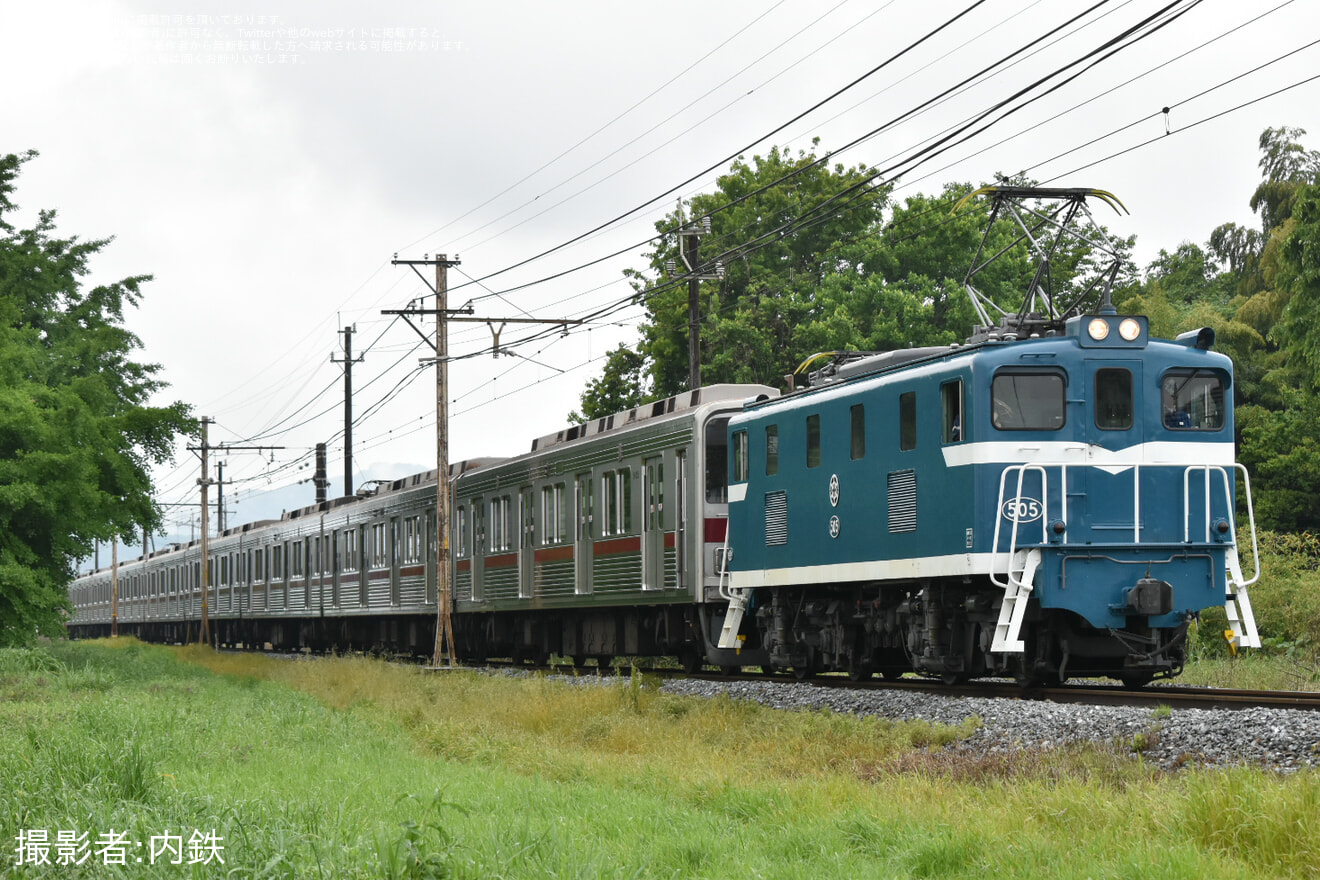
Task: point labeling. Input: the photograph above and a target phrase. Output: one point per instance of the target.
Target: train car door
(1113, 495)
(478, 548)
(653, 531)
(680, 519)
(526, 541)
(583, 534)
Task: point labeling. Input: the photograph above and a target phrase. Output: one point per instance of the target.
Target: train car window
(586, 508)
(858, 442)
(739, 457)
(460, 531)
(499, 523)
(1113, 399)
(609, 496)
(1192, 400)
(625, 477)
(951, 412)
(717, 461)
(771, 450)
(526, 518)
(813, 441)
(549, 519)
(350, 550)
(296, 563)
(277, 562)
(907, 420)
(1024, 401)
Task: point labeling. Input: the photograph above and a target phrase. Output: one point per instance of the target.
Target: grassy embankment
(354, 768)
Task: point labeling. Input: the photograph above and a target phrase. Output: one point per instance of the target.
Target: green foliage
(77, 436)
(1281, 449)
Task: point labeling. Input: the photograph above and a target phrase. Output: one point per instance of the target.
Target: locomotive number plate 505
(1022, 509)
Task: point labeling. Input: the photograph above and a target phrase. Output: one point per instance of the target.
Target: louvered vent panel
(776, 518)
(903, 501)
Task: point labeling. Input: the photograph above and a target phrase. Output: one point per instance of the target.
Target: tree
(810, 264)
(76, 434)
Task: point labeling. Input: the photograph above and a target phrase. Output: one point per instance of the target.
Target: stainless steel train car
(602, 540)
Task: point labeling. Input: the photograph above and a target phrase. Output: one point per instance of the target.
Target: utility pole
(318, 478)
(205, 482)
(444, 630)
(203, 450)
(220, 497)
(348, 362)
(114, 587)
(690, 252)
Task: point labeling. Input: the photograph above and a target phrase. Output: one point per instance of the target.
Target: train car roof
(670, 406)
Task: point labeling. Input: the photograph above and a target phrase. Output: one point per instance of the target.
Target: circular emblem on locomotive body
(834, 527)
(1022, 510)
(834, 490)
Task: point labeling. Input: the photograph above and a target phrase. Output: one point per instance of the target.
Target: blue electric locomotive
(1056, 497)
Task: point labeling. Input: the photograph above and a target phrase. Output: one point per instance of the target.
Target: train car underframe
(945, 628)
(601, 633)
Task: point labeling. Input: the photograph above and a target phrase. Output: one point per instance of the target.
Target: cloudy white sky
(265, 159)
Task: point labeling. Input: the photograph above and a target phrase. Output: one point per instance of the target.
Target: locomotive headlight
(1130, 329)
(1098, 329)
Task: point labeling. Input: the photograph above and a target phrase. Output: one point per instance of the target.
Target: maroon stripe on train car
(412, 571)
(669, 538)
(554, 554)
(715, 530)
(464, 565)
(618, 545)
(504, 560)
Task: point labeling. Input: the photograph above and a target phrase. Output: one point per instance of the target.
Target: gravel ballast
(1278, 739)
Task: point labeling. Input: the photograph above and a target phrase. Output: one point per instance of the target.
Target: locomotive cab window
(813, 441)
(1192, 400)
(907, 420)
(857, 442)
(1113, 399)
(1027, 401)
(951, 412)
(739, 457)
(771, 450)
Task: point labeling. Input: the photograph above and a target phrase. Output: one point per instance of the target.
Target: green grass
(355, 768)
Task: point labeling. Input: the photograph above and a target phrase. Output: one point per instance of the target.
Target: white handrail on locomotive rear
(1228, 505)
(737, 603)
(1012, 543)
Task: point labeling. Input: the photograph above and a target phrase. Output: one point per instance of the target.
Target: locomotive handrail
(1228, 506)
(1017, 508)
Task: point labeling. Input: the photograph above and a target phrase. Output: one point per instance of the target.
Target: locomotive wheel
(859, 671)
(729, 669)
(603, 662)
(955, 678)
(802, 673)
(1135, 680)
(891, 673)
(579, 661)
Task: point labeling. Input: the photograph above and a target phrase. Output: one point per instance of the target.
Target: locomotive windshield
(1192, 400)
(1027, 401)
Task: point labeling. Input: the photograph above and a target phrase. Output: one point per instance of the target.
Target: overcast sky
(264, 161)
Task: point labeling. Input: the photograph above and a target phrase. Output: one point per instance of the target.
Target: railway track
(1082, 692)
